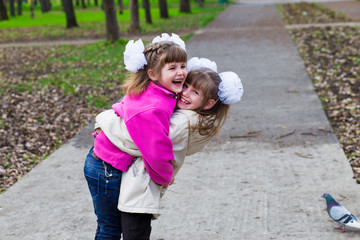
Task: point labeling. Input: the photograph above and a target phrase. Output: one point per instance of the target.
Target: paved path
(276, 156)
(350, 8)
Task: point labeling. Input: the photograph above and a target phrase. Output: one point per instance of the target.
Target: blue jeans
(104, 184)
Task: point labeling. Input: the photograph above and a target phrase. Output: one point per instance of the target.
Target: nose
(185, 91)
(180, 72)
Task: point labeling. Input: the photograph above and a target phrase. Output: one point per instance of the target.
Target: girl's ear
(209, 104)
(152, 75)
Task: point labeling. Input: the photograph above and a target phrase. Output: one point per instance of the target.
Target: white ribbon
(197, 63)
(174, 38)
(134, 58)
(230, 88)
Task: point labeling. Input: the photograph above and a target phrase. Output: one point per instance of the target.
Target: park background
(54, 82)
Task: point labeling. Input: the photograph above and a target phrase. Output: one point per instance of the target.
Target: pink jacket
(147, 118)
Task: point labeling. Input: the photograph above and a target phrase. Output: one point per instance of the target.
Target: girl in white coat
(203, 107)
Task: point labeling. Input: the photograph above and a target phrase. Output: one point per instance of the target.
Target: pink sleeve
(149, 130)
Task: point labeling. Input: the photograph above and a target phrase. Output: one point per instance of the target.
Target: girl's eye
(196, 92)
(185, 86)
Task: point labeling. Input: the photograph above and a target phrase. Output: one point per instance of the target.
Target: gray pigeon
(340, 214)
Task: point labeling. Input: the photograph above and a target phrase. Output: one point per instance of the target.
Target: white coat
(138, 193)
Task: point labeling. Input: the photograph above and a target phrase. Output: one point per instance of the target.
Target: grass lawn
(91, 22)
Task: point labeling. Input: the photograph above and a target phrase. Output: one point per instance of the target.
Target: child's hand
(171, 183)
(96, 132)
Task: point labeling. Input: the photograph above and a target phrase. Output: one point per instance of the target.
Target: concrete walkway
(276, 157)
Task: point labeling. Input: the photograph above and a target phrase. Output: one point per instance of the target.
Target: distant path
(91, 41)
(84, 41)
(51, 42)
(350, 8)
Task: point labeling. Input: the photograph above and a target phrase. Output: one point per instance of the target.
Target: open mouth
(178, 82)
(184, 101)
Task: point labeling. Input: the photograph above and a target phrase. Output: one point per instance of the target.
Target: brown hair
(157, 55)
(210, 120)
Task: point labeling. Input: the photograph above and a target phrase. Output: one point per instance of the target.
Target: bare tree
(185, 6)
(112, 26)
(134, 16)
(3, 11)
(163, 9)
(146, 5)
(70, 14)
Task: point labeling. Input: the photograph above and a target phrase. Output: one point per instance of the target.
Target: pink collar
(161, 89)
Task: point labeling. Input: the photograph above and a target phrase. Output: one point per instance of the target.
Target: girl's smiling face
(172, 76)
(190, 98)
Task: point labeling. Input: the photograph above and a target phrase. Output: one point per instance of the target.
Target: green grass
(92, 14)
(91, 22)
(51, 18)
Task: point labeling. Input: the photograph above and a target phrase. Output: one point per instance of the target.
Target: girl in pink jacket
(146, 109)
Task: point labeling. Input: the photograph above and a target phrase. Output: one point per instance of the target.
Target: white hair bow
(196, 63)
(134, 58)
(174, 38)
(230, 88)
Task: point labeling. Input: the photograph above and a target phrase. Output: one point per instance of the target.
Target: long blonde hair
(157, 55)
(210, 120)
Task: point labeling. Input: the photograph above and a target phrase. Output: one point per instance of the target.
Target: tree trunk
(12, 8)
(134, 16)
(146, 5)
(3, 11)
(32, 6)
(201, 3)
(185, 6)
(48, 5)
(121, 6)
(70, 14)
(83, 5)
(163, 9)
(112, 26)
(96, 3)
(43, 5)
(19, 7)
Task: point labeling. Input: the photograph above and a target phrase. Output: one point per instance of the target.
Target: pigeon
(340, 214)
